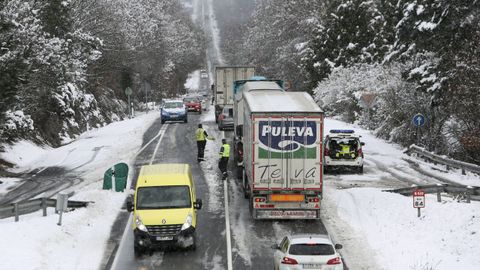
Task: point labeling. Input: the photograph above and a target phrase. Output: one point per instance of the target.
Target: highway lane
(178, 146)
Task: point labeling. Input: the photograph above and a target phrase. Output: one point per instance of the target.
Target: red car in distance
(193, 104)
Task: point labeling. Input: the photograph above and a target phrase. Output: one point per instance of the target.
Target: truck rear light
(260, 199)
(313, 199)
(287, 260)
(335, 260)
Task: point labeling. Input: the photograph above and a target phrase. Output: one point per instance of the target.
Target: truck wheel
(246, 187)
(137, 251)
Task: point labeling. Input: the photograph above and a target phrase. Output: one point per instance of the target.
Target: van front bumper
(147, 240)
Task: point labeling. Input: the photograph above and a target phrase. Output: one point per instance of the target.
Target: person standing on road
(224, 156)
(201, 136)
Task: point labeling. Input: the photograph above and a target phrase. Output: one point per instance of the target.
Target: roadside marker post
(61, 206)
(418, 199)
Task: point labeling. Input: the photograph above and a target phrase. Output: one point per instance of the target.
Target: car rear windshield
(192, 99)
(163, 197)
(171, 105)
(336, 142)
(311, 249)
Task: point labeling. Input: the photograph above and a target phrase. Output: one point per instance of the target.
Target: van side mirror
(338, 246)
(130, 204)
(197, 204)
(239, 131)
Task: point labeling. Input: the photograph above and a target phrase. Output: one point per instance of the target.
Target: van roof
(164, 174)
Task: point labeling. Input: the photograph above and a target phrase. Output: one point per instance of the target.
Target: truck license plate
(164, 238)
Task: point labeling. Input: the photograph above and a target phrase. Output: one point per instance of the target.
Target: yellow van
(164, 207)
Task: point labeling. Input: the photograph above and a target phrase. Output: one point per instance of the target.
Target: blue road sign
(418, 120)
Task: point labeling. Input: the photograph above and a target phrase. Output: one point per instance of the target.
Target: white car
(343, 149)
(314, 251)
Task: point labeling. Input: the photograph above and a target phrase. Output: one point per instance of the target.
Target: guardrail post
(44, 206)
(463, 170)
(469, 193)
(440, 189)
(15, 211)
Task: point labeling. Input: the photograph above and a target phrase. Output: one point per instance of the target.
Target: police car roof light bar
(342, 131)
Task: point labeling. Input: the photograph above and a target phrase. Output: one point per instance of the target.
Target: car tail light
(335, 260)
(287, 260)
(326, 152)
(260, 199)
(313, 199)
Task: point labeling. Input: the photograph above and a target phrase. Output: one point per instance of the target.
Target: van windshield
(163, 197)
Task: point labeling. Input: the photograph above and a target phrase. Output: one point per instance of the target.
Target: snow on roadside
(446, 236)
(380, 230)
(37, 242)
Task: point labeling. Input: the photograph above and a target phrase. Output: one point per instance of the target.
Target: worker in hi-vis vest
(201, 137)
(224, 155)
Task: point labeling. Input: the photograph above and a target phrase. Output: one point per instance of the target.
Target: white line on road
(153, 139)
(163, 130)
(227, 227)
(227, 221)
(122, 244)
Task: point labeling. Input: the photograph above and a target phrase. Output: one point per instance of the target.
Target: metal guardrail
(420, 151)
(30, 206)
(469, 192)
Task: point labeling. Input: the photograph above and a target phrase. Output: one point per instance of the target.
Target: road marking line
(153, 139)
(227, 227)
(162, 131)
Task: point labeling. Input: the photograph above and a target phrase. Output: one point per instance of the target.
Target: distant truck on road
(282, 174)
(223, 85)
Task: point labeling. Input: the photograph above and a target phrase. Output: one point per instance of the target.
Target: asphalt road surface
(251, 241)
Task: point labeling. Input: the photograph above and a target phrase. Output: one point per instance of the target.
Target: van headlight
(140, 225)
(188, 222)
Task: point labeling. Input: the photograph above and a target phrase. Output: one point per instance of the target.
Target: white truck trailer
(240, 87)
(223, 86)
(283, 155)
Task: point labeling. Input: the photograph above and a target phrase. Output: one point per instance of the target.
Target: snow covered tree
(349, 34)
(447, 32)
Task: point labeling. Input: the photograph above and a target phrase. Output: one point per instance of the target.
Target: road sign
(418, 198)
(128, 91)
(418, 120)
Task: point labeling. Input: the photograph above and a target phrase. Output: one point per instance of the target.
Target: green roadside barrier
(119, 173)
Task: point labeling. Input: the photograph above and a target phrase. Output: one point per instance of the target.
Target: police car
(343, 149)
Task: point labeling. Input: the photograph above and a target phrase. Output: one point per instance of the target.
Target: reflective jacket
(201, 134)
(225, 150)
